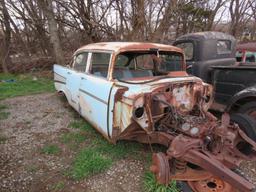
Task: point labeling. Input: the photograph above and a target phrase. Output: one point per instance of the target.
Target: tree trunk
(47, 8)
(6, 42)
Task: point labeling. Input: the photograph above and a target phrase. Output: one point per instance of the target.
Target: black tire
(248, 108)
(248, 125)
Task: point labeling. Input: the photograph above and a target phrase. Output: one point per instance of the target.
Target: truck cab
(206, 49)
(212, 56)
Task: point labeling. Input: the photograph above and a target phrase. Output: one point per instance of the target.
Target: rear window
(188, 49)
(80, 62)
(171, 62)
(147, 64)
(223, 46)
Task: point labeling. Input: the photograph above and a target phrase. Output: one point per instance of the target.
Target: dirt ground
(40, 119)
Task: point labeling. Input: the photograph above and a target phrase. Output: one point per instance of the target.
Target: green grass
(68, 138)
(89, 162)
(23, 85)
(50, 149)
(151, 185)
(3, 107)
(121, 150)
(3, 139)
(4, 115)
(73, 139)
(32, 168)
(99, 155)
(58, 186)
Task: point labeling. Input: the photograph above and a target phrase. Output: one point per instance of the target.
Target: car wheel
(248, 125)
(249, 109)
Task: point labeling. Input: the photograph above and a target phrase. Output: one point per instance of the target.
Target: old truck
(141, 92)
(212, 57)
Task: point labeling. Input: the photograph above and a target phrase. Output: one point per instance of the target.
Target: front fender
(245, 93)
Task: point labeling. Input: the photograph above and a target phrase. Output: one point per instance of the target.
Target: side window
(80, 62)
(188, 49)
(223, 46)
(99, 64)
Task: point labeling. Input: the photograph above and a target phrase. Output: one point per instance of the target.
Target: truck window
(99, 64)
(188, 49)
(223, 46)
(80, 62)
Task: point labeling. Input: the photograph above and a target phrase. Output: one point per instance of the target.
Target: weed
(76, 124)
(151, 185)
(50, 149)
(122, 149)
(58, 186)
(89, 162)
(32, 168)
(4, 115)
(2, 107)
(75, 138)
(3, 139)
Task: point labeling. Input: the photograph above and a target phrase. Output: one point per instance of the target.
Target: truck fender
(249, 92)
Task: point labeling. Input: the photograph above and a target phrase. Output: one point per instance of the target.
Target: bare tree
(237, 11)
(5, 43)
(47, 7)
(214, 7)
(253, 14)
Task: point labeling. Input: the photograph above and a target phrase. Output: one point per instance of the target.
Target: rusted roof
(125, 46)
(250, 46)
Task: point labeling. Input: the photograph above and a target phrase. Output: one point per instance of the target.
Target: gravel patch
(35, 121)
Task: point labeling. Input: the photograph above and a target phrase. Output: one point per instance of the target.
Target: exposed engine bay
(200, 146)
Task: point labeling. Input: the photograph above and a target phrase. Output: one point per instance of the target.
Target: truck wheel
(248, 125)
(249, 109)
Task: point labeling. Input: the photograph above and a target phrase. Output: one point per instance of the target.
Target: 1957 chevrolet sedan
(141, 92)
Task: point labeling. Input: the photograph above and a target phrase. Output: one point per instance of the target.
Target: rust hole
(211, 185)
(138, 113)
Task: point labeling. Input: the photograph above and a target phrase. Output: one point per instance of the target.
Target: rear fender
(249, 92)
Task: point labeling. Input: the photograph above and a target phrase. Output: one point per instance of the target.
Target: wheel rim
(212, 184)
(160, 167)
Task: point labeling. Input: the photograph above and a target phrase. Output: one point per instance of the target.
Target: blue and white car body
(95, 83)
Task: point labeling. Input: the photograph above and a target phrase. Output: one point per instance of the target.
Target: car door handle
(83, 78)
(69, 73)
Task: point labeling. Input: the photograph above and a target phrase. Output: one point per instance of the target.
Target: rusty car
(141, 92)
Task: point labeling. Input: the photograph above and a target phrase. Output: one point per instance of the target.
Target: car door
(95, 91)
(74, 77)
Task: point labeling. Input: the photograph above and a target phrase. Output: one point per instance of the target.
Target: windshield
(146, 64)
